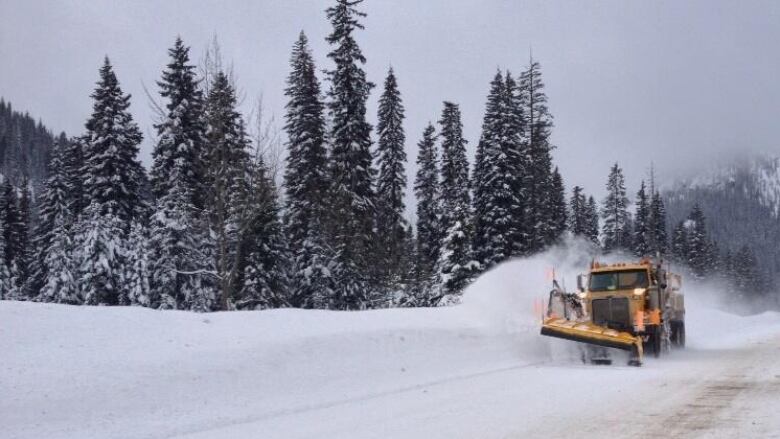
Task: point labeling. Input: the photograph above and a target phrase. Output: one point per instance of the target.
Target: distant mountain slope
(25, 146)
(742, 204)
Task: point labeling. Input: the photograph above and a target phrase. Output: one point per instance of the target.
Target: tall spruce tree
(699, 255)
(113, 176)
(455, 267)
(680, 243)
(265, 281)
(112, 186)
(351, 174)
(426, 189)
(181, 132)
(578, 213)
(615, 212)
(8, 214)
(592, 220)
(642, 233)
(658, 237)
(557, 208)
(21, 242)
(306, 181)
(391, 182)
(53, 278)
(538, 123)
(227, 166)
(497, 179)
(73, 161)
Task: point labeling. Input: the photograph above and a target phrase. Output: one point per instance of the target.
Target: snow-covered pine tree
(181, 275)
(21, 242)
(538, 125)
(113, 182)
(391, 183)
(351, 175)
(305, 182)
(615, 212)
(455, 266)
(578, 213)
(680, 243)
(113, 176)
(658, 237)
(641, 232)
(52, 275)
(592, 220)
(496, 180)
(8, 214)
(557, 210)
(136, 290)
(182, 129)
(426, 189)
(73, 161)
(266, 276)
(227, 167)
(99, 254)
(699, 256)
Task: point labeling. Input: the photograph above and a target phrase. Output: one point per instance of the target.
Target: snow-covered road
(477, 370)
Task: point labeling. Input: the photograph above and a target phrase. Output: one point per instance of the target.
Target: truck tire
(654, 343)
(678, 334)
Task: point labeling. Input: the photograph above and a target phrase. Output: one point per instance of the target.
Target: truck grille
(612, 312)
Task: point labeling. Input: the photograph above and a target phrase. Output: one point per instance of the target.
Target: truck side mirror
(580, 283)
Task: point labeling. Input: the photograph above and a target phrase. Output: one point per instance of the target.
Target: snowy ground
(478, 370)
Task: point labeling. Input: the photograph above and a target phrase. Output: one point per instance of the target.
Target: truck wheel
(678, 334)
(655, 342)
(680, 338)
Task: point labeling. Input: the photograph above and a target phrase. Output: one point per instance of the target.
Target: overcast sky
(670, 82)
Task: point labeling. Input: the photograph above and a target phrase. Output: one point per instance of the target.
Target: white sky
(675, 83)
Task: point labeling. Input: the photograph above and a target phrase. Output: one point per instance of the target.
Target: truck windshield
(618, 280)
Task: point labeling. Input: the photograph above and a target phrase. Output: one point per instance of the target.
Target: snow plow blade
(585, 332)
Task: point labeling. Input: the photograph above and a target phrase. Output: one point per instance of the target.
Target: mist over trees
(208, 229)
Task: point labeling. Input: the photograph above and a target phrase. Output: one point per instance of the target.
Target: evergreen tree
(21, 242)
(73, 161)
(305, 182)
(497, 181)
(592, 220)
(138, 275)
(557, 210)
(9, 214)
(658, 237)
(99, 256)
(426, 189)
(227, 164)
(391, 182)
(455, 268)
(113, 176)
(538, 125)
(351, 173)
(698, 256)
(305, 177)
(181, 132)
(642, 231)
(265, 278)
(180, 274)
(6, 291)
(680, 243)
(578, 213)
(615, 213)
(52, 275)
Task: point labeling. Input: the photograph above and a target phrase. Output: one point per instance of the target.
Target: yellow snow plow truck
(637, 307)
